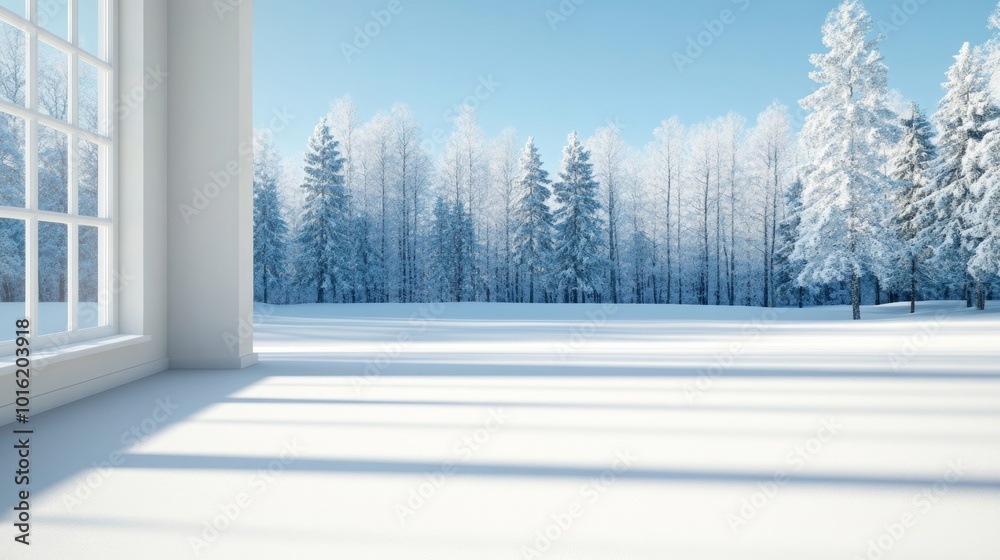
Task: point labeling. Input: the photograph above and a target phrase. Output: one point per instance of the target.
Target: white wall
(210, 185)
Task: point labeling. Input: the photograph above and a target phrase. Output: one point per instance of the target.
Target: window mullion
(31, 165)
(72, 275)
(73, 153)
(72, 20)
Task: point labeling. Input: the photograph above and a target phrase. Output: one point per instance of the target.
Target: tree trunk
(856, 295)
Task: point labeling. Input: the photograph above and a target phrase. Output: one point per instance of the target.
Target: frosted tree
(702, 202)
(844, 232)
(533, 227)
(578, 264)
(910, 169)
(666, 158)
(412, 177)
(506, 175)
(787, 270)
(463, 246)
(984, 264)
(269, 228)
(729, 203)
(962, 119)
(771, 145)
(638, 256)
(993, 55)
(12, 130)
(322, 238)
(381, 168)
(442, 254)
(465, 148)
(608, 151)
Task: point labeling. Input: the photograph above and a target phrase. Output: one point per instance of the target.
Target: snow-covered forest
(867, 200)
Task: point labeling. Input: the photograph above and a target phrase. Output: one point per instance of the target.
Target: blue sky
(598, 61)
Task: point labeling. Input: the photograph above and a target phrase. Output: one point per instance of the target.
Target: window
(57, 162)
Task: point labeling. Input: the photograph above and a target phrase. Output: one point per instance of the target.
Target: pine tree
(910, 166)
(962, 118)
(984, 265)
(533, 221)
(269, 228)
(322, 237)
(464, 252)
(442, 257)
(578, 264)
(844, 231)
(786, 269)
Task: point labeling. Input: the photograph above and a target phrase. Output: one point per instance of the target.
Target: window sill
(40, 360)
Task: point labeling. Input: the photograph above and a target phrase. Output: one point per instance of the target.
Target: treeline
(868, 203)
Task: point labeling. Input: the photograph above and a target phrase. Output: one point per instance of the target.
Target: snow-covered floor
(561, 432)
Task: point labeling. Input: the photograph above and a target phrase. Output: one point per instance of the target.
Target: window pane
(89, 311)
(11, 160)
(88, 178)
(12, 64)
(88, 112)
(88, 12)
(53, 309)
(12, 305)
(53, 170)
(16, 6)
(53, 81)
(53, 16)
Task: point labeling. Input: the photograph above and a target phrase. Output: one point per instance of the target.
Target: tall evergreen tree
(910, 169)
(984, 265)
(786, 269)
(577, 264)
(464, 250)
(533, 220)
(442, 255)
(844, 231)
(269, 228)
(961, 120)
(322, 238)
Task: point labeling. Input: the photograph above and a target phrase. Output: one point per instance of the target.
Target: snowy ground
(558, 432)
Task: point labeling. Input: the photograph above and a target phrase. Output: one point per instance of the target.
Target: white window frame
(105, 61)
